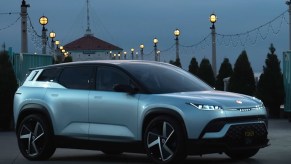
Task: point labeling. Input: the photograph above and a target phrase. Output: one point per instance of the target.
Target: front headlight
(205, 106)
(258, 107)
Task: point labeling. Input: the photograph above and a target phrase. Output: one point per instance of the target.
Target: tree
(177, 62)
(242, 80)
(68, 59)
(8, 86)
(193, 67)
(224, 72)
(205, 72)
(270, 87)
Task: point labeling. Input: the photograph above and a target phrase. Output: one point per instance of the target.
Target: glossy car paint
(119, 117)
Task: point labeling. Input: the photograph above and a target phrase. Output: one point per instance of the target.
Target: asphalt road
(279, 152)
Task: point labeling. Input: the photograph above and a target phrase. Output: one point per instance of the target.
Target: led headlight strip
(205, 106)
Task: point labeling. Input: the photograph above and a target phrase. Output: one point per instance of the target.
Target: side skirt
(69, 142)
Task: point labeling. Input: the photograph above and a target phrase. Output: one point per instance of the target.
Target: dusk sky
(128, 23)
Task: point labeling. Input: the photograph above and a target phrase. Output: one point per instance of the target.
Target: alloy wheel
(35, 138)
(164, 140)
(32, 136)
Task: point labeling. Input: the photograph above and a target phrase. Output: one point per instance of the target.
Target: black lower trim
(217, 124)
(69, 142)
(208, 146)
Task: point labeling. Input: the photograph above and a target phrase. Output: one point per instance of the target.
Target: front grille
(217, 124)
(246, 135)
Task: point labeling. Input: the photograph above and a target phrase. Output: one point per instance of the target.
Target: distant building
(89, 47)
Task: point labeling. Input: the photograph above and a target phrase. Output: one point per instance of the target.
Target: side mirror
(124, 88)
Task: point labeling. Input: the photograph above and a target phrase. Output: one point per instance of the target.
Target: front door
(112, 115)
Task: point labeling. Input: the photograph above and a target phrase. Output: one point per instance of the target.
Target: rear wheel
(241, 154)
(35, 138)
(164, 140)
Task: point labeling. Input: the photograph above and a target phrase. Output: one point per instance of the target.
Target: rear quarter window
(51, 75)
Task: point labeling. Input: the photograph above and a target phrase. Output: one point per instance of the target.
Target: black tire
(35, 138)
(164, 141)
(241, 154)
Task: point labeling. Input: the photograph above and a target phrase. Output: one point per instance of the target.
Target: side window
(49, 75)
(76, 77)
(108, 77)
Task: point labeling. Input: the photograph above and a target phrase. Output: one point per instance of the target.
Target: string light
(243, 39)
(8, 26)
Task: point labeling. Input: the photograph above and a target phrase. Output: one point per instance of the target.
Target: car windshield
(164, 78)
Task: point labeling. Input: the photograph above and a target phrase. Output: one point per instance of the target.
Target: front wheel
(164, 140)
(241, 154)
(35, 138)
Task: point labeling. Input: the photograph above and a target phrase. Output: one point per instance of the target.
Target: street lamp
(43, 21)
(141, 51)
(136, 55)
(118, 55)
(159, 54)
(212, 20)
(124, 53)
(114, 56)
(155, 48)
(132, 50)
(177, 33)
(57, 42)
(52, 36)
(110, 55)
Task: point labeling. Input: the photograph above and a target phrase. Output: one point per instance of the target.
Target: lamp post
(156, 48)
(132, 50)
(213, 19)
(124, 53)
(159, 55)
(52, 36)
(289, 10)
(141, 51)
(177, 33)
(57, 42)
(118, 55)
(23, 14)
(136, 55)
(57, 52)
(110, 55)
(43, 21)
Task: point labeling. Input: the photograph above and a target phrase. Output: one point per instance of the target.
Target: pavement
(279, 152)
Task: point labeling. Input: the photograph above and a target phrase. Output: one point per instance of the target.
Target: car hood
(220, 98)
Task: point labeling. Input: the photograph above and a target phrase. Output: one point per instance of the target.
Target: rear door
(69, 101)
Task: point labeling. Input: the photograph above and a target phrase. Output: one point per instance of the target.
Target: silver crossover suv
(134, 106)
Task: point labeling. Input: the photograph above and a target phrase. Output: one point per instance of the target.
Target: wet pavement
(279, 152)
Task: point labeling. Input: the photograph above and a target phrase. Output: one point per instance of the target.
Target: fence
(23, 62)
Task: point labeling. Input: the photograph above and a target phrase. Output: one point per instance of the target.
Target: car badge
(238, 101)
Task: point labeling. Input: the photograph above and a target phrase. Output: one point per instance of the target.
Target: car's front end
(219, 122)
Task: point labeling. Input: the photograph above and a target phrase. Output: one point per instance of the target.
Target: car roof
(102, 62)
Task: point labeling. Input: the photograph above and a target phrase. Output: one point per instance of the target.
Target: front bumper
(229, 134)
